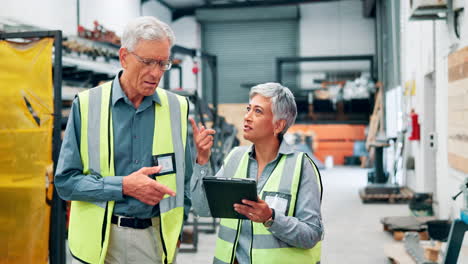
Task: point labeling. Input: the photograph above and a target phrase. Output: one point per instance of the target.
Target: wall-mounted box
(428, 9)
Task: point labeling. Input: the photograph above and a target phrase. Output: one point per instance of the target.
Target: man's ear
(279, 126)
(123, 52)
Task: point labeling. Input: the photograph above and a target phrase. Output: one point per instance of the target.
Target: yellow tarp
(26, 108)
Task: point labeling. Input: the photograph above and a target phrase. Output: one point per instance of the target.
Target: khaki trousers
(129, 245)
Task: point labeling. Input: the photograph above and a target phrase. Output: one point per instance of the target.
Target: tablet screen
(223, 193)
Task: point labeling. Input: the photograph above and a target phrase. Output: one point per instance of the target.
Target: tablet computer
(222, 193)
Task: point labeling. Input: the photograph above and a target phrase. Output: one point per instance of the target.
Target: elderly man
(124, 162)
(284, 225)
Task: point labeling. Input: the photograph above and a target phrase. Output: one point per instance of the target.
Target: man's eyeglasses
(162, 64)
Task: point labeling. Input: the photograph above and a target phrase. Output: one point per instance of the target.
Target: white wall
(331, 29)
(418, 59)
(49, 14)
(62, 14)
(448, 180)
(154, 8)
(112, 14)
(187, 31)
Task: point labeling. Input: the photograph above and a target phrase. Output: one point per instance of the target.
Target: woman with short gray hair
(284, 225)
(282, 100)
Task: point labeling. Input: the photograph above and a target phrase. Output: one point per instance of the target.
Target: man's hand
(258, 212)
(143, 188)
(203, 141)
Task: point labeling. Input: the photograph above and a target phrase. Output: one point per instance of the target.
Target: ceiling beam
(181, 12)
(246, 3)
(190, 11)
(368, 8)
(165, 4)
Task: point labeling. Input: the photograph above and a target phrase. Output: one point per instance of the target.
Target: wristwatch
(269, 222)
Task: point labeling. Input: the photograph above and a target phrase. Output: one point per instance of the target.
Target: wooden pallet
(399, 225)
(404, 196)
(399, 235)
(397, 254)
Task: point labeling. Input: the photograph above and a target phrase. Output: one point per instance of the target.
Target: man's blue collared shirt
(133, 141)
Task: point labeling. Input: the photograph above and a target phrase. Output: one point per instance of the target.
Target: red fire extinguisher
(195, 68)
(415, 127)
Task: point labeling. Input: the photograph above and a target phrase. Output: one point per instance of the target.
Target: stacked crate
(335, 140)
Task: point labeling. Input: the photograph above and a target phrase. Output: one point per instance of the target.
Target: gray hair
(147, 28)
(283, 104)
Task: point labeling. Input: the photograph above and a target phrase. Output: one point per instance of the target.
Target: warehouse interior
(381, 92)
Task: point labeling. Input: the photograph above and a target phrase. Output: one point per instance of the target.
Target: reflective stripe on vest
(265, 248)
(172, 208)
(88, 232)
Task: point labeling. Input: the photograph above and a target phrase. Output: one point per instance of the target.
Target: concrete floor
(353, 232)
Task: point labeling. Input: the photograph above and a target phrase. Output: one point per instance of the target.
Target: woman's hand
(203, 141)
(258, 211)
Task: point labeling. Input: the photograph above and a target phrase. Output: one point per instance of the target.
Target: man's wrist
(124, 185)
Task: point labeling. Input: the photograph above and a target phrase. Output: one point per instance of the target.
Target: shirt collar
(284, 149)
(118, 93)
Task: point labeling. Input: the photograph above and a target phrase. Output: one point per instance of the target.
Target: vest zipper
(162, 241)
(104, 227)
(251, 241)
(233, 253)
(77, 258)
(261, 191)
(109, 122)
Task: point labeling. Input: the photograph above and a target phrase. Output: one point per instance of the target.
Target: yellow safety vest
(264, 247)
(89, 221)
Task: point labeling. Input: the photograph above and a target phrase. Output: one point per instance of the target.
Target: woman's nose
(247, 115)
